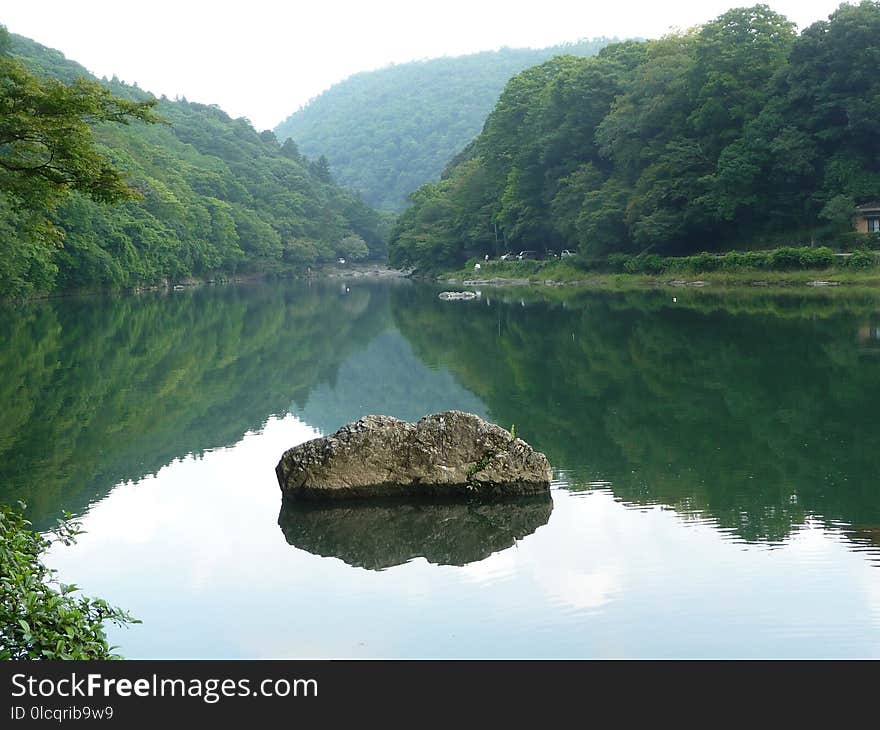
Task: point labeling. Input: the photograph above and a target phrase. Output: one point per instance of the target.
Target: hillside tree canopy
(95, 194)
(736, 133)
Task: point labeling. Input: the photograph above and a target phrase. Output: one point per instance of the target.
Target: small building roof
(874, 205)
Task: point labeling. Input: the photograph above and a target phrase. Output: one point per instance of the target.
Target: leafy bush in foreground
(40, 618)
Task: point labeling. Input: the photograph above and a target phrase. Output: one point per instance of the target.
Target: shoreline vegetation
(782, 267)
(528, 274)
(824, 279)
(365, 270)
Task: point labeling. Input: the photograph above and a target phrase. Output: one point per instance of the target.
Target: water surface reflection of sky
(195, 552)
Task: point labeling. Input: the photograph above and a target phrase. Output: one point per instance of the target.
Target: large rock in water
(444, 454)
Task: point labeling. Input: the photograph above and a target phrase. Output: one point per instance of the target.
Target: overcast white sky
(263, 60)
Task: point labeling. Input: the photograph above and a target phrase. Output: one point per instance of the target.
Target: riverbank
(368, 270)
(327, 271)
(560, 273)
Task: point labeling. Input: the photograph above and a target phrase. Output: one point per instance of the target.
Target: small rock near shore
(451, 296)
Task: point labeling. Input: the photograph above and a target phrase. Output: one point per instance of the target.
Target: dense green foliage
(784, 258)
(46, 143)
(47, 151)
(386, 132)
(41, 618)
(202, 194)
(736, 132)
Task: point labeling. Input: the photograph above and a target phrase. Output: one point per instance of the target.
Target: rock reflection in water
(381, 534)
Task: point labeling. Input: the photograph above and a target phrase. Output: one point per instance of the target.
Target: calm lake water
(715, 460)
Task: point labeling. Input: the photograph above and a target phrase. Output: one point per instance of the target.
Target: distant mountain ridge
(387, 132)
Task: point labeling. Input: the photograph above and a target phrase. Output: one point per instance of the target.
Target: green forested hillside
(386, 132)
(212, 195)
(736, 132)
